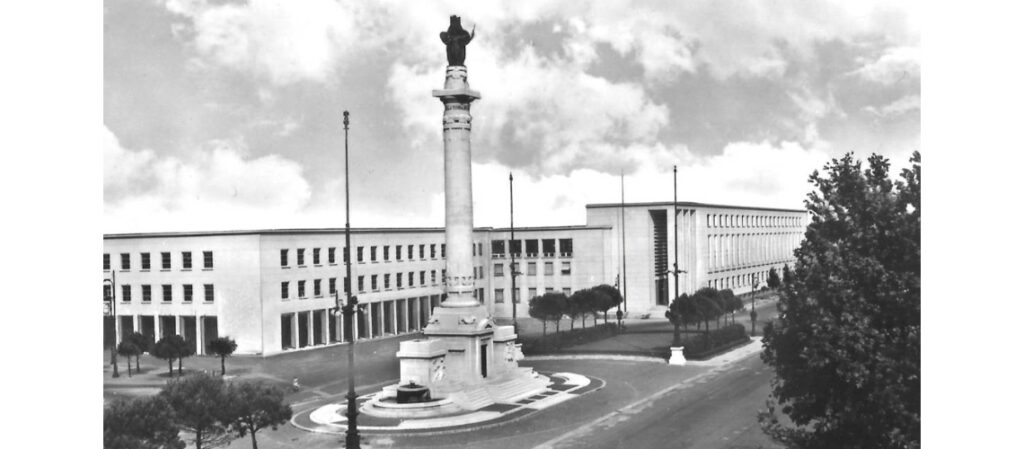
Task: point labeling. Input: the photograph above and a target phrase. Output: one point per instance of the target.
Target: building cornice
(691, 204)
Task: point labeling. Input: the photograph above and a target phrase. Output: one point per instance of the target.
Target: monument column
(458, 188)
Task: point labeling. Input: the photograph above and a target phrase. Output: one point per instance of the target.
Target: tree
(709, 305)
(730, 302)
(223, 347)
(773, 279)
(143, 342)
(547, 308)
(787, 275)
(255, 406)
(676, 315)
(166, 349)
(140, 423)
(201, 407)
(581, 303)
(128, 349)
(612, 298)
(183, 347)
(846, 345)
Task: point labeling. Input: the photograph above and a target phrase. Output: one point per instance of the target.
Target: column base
(677, 356)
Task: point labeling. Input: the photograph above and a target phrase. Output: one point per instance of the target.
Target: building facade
(273, 290)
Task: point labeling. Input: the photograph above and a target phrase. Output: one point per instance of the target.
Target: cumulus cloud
(894, 65)
(217, 188)
(897, 108)
(283, 41)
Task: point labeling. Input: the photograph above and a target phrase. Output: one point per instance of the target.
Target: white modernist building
(272, 290)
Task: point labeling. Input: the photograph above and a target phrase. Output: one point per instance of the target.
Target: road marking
(623, 414)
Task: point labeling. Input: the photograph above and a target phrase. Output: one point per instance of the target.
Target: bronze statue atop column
(456, 39)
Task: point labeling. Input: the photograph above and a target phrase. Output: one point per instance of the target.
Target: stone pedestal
(422, 362)
(677, 356)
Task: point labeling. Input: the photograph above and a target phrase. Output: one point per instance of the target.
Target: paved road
(716, 410)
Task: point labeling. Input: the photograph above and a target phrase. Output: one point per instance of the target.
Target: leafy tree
(183, 347)
(201, 407)
(166, 349)
(773, 279)
(573, 310)
(730, 303)
(846, 345)
(143, 342)
(140, 423)
(223, 347)
(676, 315)
(583, 302)
(546, 308)
(255, 406)
(709, 306)
(611, 298)
(128, 349)
(787, 275)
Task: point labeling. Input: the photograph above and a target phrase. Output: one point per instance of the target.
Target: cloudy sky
(227, 114)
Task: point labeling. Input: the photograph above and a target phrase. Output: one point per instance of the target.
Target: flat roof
(691, 204)
(309, 231)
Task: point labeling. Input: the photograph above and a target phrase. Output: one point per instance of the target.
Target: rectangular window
(443, 250)
(208, 264)
(531, 268)
(474, 250)
(410, 279)
(186, 260)
(499, 295)
(106, 261)
(145, 261)
(360, 284)
(433, 277)
(387, 253)
(316, 256)
(398, 252)
(444, 275)
(373, 254)
(300, 257)
(284, 257)
(398, 280)
(408, 250)
(208, 291)
(531, 248)
(166, 292)
(566, 267)
(515, 296)
(549, 268)
(347, 285)
(532, 292)
(359, 254)
(515, 269)
(515, 247)
(549, 289)
(373, 282)
(147, 293)
(548, 247)
(497, 248)
(421, 252)
(126, 293)
(565, 247)
(423, 278)
(332, 285)
(499, 270)
(316, 288)
(165, 261)
(387, 281)
(330, 255)
(302, 289)
(186, 292)
(433, 251)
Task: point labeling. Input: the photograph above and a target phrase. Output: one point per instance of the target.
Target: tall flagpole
(512, 267)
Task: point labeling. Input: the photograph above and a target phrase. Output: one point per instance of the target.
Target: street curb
(615, 357)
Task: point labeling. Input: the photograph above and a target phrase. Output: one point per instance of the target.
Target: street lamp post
(753, 313)
(618, 308)
(675, 238)
(512, 266)
(348, 309)
(112, 297)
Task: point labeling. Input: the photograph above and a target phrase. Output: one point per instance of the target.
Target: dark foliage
(255, 406)
(222, 347)
(201, 407)
(140, 423)
(846, 345)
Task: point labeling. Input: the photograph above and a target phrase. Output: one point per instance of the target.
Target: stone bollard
(677, 356)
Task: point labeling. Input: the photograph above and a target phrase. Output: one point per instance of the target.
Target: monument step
(518, 388)
(472, 398)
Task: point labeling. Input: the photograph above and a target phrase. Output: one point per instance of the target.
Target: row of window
(166, 292)
(531, 268)
(499, 293)
(145, 261)
(385, 253)
(751, 221)
(377, 281)
(545, 247)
